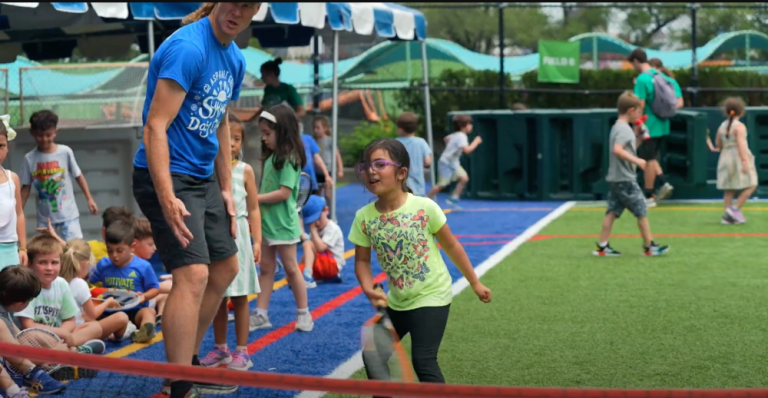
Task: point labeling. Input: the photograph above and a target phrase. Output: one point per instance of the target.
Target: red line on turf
(715, 235)
(486, 236)
(278, 334)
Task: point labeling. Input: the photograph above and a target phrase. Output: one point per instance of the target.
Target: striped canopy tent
(53, 30)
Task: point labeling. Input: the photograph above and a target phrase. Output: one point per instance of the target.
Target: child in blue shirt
(122, 270)
(418, 150)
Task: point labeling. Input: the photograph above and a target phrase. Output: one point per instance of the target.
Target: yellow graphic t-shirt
(406, 249)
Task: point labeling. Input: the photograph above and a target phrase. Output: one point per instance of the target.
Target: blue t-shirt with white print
(136, 276)
(212, 75)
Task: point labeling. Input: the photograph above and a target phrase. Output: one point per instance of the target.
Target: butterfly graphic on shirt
(422, 217)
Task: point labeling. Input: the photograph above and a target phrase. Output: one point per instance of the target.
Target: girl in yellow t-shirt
(402, 228)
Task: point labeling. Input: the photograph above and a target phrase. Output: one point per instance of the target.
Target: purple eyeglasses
(377, 165)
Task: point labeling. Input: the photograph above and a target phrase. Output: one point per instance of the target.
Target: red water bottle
(645, 133)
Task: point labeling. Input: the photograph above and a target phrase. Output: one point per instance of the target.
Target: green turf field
(695, 318)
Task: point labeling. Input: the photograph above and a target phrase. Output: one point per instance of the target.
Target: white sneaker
(665, 191)
(258, 321)
(304, 322)
(650, 202)
(128, 331)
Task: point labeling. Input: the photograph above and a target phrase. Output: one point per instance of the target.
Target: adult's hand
(229, 204)
(174, 212)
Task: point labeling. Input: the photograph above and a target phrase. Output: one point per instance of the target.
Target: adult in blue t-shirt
(182, 178)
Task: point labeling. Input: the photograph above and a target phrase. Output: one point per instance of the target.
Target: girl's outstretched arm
(364, 274)
(456, 252)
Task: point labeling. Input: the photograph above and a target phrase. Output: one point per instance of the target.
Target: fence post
(21, 97)
(694, 61)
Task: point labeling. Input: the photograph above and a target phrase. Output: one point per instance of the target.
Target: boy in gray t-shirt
(624, 191)
(51, 168)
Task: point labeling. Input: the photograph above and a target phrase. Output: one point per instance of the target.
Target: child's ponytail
(75, 252)
(733, 107)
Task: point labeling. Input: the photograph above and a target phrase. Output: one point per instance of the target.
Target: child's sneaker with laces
(453, 202)
(304, 322)
(240, 361)
(96, 347)
(41, 383)
(258, 321)
(736, 215)
(727, 219)
(606, 251)
(655, 249)
(216, 357)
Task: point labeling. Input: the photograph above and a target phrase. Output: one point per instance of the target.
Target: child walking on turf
(736, 167)
(283, 155)
(624, 191)
(402, 228)
(246, 282)
(449, 166)
(418, 151)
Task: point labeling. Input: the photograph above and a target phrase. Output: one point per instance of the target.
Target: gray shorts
(626, 195)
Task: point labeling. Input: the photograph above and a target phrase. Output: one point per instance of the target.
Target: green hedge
(444, 102)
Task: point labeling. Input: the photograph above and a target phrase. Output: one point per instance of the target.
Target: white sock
(222, 347)
(604, 244)
(12, 390)
(734, 207)
(241, 348)
(261, 312)
(303, 311)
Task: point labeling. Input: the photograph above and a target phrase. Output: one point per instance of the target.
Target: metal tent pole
(427, 107)
(335, 121)
(694, 60)
(316, 92)
(151, 38)
(502, 95)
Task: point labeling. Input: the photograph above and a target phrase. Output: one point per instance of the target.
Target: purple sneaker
(737, 216)
(240, 361)
(215, 358)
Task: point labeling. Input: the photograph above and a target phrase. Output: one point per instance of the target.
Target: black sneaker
(606, 251)
(67, 373)
(655, 249)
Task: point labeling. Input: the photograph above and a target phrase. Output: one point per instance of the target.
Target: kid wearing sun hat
(324, 247)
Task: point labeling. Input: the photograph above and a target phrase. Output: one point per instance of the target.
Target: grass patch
(695, 318)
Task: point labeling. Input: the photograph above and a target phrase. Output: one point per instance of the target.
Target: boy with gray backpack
(662, 97)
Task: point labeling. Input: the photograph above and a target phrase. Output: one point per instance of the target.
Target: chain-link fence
(83, 95)
(4, 91)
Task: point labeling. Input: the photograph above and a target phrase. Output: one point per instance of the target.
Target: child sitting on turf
(144, 247)
(418, 150)
(110, 215)
(625, 193)
(18, 287)
(736, 167)
(449, 166)
(51, 168)
(402, 228)
(54, 308)
(75, 265)
(123, 270)
(324, 250)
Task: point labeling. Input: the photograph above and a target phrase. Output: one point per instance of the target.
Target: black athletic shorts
(651, 148)
(131, 315)
(209, 222)
(320, 178)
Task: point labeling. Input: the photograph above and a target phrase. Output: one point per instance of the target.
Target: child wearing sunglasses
(402, 228)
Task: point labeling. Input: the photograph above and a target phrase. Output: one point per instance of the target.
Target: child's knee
(464, 179)
(120, 317)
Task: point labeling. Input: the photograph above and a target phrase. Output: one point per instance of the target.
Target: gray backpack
(664, 103)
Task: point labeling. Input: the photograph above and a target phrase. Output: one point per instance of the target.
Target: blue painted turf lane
(336, 336)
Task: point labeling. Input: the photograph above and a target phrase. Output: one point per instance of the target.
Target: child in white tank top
(13, 239)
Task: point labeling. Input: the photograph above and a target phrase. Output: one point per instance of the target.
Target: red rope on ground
(355, 387)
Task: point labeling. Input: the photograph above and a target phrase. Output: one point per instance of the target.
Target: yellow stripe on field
(135, 347)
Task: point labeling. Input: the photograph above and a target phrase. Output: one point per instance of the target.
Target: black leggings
(426, 326)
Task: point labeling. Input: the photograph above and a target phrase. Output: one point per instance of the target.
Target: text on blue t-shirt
(212, 75)
(136, 276)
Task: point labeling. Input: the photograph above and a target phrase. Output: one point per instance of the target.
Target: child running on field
(402, 228)
(246, 282)
(449, 166)
(625, 193)
(736, 167)
(418, 151)
(284, 157)
(123, 270)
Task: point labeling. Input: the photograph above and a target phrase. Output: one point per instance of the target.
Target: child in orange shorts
(324, 247)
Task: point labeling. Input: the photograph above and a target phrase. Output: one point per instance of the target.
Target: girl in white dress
(249, 254)
(736, 166)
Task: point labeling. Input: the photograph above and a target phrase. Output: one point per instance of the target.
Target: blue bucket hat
(313, 209)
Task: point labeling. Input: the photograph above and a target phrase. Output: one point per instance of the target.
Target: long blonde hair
(75, 253)
(200, 13)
